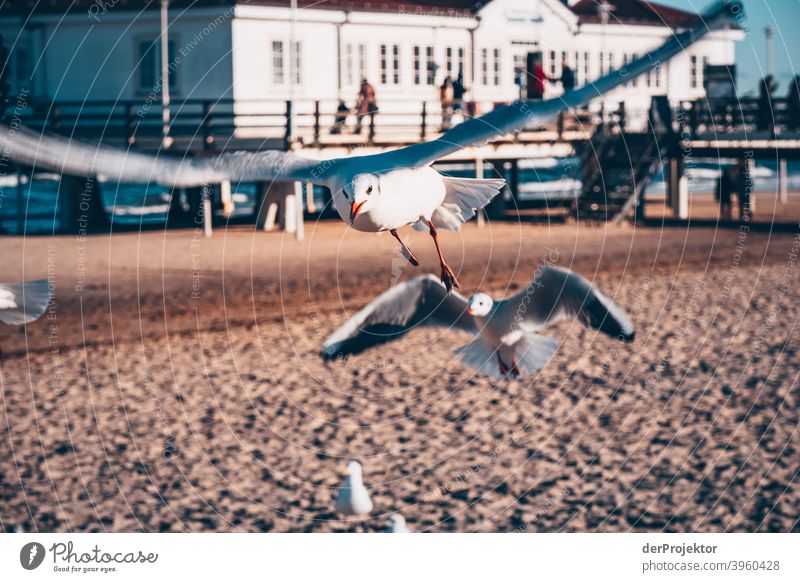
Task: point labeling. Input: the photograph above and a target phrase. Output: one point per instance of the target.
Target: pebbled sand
(138, 407)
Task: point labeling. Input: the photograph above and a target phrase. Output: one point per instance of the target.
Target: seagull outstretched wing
(23, 302)
(558, 294)
(519, 115)
(422, 301)
(74, 157)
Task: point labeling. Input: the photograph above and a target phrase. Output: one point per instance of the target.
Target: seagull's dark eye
(369, 190)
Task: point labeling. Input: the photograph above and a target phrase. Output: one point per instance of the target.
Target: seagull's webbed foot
(405, 250)
(448, 276)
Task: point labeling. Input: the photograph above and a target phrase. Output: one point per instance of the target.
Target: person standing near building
(459, 90)
(793, 105)
(536, 84)
(725, 188)
(366, 104)
(567, 77)
(342, 111)
(446, 95)
(765, 91)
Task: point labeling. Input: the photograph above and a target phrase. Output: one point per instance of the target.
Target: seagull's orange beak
(470, 311)
(355, 208)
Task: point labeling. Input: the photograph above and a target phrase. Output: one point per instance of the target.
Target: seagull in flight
(507, 343)
(22, 303)
(372, 193)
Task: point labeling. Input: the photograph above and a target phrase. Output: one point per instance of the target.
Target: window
(281, 63)
(278, 75)
(497, 65)
(149, 76)
(355, 62)
(693, 72)
(602, 64)
(485, 66)
(553, 63)
(298, 63)
(586, 67)
(430, 70)
(390, 64)
(424, 67)
(454, 61)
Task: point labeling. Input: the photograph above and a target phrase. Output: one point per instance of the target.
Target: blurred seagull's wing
(77, 158)
(557, 294)
(528, 114)
(422, 301)
(23, 302)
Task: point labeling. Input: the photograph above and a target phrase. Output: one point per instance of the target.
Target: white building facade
(257, 53)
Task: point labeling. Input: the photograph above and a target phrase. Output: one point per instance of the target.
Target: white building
(228, 49)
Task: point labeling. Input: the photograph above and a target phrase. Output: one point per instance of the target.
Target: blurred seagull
(396, 524)
(23, 302)
(353, 498)
(508, 343)
(372, 193)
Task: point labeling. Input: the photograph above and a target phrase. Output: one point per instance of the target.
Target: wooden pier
(200, 128)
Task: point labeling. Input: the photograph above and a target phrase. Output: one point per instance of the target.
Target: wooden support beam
(783, 180)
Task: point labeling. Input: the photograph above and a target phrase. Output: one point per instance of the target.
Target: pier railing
(741, 115)
(208, 125)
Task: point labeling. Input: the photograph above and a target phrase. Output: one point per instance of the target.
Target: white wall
(87, 60)
(228, 52)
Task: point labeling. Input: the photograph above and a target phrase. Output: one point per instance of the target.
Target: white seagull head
(354, 471)
(480, 305)
(362, 193)
(396, 524)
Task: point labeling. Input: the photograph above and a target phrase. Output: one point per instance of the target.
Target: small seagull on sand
(508, 343)
(23, 302)
(353, 498)
(396, 524)
(372, 193)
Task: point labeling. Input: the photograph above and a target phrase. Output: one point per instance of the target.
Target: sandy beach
(174, 385)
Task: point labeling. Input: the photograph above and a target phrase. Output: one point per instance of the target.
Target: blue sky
(784, 17)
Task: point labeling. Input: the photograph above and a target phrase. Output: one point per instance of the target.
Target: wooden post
(479, 175)
(22, 180)
(310, 206)
(288, 137)
(783, 177)
(298, 207)
(208, 216)
(677, 189)
(226, 197)
(317, 126)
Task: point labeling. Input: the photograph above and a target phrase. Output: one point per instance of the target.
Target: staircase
(616, 169)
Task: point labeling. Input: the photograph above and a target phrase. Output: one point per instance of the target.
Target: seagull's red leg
(406, 251)
(448, 276)
(514, 368)
(503, 367)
